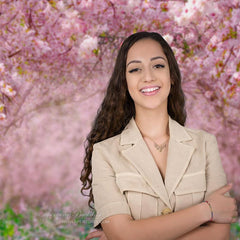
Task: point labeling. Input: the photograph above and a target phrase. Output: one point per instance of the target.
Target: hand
(96, 234)
(224, 208)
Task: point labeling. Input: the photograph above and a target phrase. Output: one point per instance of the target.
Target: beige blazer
(126, 179)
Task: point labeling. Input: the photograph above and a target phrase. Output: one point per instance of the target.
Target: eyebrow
(154, 58)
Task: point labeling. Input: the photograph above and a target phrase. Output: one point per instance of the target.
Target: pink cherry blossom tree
(56, 59)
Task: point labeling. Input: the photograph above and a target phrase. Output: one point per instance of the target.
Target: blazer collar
(131, 133)
(179, 155)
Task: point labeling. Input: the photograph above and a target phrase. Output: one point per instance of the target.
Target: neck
(153, 124)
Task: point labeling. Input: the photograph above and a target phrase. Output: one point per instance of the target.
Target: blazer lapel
(139, 155)
(179, 155)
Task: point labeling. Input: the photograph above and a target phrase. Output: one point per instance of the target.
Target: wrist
(211, 210)
(206, 212)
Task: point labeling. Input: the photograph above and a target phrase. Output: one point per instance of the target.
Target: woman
(152, 178)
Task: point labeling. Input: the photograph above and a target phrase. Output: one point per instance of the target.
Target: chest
(159, 155)
(183, 185)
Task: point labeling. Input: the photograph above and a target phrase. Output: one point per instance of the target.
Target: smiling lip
(149, 91)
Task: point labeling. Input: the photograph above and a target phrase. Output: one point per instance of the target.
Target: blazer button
(166, 211)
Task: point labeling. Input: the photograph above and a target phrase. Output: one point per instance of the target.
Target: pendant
(160, 147)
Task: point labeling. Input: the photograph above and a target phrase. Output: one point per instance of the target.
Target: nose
(148, 75)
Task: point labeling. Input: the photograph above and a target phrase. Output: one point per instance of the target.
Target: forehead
(145, 49)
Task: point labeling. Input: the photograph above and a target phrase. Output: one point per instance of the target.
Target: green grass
(60, 225)
(235, 231)
(42, 225)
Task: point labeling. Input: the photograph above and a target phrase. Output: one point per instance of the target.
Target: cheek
(132, 87)
(131, 91)
(168, 81)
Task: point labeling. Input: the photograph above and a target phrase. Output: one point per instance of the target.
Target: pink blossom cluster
(6, 91)
(56, 59)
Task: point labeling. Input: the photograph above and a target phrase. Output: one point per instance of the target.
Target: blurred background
(56, 58)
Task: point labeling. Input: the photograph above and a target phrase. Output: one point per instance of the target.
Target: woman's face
(148, 75)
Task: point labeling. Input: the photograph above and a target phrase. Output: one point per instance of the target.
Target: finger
(225, 188)
(235, 214)
(235, 217)
(234, 220)
(103, 238)
(235, 208)
(94, 234)
(90, 236)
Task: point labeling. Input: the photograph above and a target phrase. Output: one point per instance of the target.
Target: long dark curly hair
(118, 108)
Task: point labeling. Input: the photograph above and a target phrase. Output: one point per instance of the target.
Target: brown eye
(134, 70)
(159, 66)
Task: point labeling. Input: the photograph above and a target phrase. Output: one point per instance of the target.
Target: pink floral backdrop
(55, 61)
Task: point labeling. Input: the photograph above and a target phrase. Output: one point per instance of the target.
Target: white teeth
(149, 89)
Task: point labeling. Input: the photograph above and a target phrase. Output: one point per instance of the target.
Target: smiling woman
(148, 75)
(151, 176)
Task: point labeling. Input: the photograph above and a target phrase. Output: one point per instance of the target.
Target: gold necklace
(159, 147)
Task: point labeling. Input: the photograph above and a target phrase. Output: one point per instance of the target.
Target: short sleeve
(108, 200)
(215, 175)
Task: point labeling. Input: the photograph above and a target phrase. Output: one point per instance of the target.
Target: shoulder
(108, 143)
(183, 133)
(130, 134)
(200, 134)
(204, 142)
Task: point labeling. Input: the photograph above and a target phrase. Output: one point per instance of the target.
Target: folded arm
(172, 226)
(209, 232)
(178, 225)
